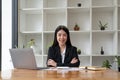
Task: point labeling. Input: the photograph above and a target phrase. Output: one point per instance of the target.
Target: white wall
(6, 33)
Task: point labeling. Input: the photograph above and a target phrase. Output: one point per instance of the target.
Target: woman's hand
(74, 60)
(52, 63)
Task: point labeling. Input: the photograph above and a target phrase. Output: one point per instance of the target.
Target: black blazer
(71, 52)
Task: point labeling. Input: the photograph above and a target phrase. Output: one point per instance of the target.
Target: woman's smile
(61, 37)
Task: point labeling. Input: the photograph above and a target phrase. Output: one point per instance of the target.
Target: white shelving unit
(39, 18)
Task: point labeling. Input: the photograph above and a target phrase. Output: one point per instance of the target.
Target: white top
(63, 55)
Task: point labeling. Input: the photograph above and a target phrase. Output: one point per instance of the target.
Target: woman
(62, 53)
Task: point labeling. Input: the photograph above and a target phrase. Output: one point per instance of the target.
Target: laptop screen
(23, 58)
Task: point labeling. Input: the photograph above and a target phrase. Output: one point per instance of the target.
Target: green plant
(106, 64)
(102, 27)
(79, 51)
(31, 43)
(49, 44)
(118, 60)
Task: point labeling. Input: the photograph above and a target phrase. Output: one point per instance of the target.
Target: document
(65, 68)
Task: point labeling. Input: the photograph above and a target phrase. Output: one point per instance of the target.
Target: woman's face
(61, 37)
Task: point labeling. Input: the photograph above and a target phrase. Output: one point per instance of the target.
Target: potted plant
(102, 27)
(76, 27)
(79, 51)
(106, 64)
(102, 51)
(118, 62)
(31, 43)
(79, 4)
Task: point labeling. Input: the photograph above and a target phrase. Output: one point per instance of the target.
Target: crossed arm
(71, 60)
(54, 64)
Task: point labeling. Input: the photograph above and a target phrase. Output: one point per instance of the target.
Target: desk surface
(23, 74)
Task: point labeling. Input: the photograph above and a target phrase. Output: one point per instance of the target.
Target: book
(95, 68)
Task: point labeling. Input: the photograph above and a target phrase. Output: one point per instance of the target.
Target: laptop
(24, 58)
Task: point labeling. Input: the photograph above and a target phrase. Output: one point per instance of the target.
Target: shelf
(48, 40)
(39, 61)
(105, 40)
(38, 55)
(104, 31)
(74, 3)
(80, 31)
(38, 19)
(103, 2)
(30, 11)
(30, 22)
(105, 15)
(85, 60)
(82, 41)
(44, 61)
(104, 55)
(119, 18)
(47, 32)
(84, 55)
(31, 3)
(25, 38)
(81, 17)
(118, 2)
(97, 61)
(53, 18)
(118, 43)
(78, 7)
(54, 3)
(31, 32)
(78, 10)
(103, 7)
(54, 10)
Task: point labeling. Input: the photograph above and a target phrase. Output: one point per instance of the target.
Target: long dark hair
(64, 28)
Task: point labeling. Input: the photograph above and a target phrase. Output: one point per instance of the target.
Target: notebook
(24, 58)
(95, 68)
